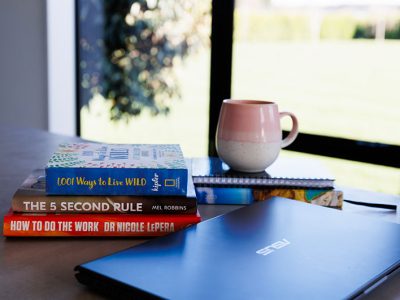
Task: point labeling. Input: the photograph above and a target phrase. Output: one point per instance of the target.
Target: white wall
(23, 63)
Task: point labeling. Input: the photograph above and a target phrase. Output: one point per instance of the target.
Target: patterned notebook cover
(91, 155)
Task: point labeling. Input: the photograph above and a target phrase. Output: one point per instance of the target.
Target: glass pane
(335, 66)
(355, 174)
(144, 72)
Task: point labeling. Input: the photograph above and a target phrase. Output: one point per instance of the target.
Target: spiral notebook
(285, 172)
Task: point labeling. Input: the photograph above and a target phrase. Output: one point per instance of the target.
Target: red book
(29, 224)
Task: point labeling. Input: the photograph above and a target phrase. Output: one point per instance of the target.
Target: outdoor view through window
(144, 72)
(334, 63)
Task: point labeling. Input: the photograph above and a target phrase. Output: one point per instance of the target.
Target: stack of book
(301, 180)
(90, 189)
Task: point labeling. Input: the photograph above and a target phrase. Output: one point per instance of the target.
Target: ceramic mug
(249, 135)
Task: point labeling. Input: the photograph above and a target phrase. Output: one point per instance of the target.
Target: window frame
(220, 88)
(62, 80)
(222, 28)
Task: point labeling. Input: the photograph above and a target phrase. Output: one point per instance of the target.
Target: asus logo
(273, 247)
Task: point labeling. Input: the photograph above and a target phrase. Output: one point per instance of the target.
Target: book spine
(244, 196)
(115, 181)
(102, 204)
(62, 225)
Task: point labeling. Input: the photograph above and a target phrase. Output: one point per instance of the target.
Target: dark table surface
(42, 268)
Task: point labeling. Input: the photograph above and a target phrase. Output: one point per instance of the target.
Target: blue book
(107, 169)
(249, 195)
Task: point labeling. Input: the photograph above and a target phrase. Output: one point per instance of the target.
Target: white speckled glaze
(247, 156)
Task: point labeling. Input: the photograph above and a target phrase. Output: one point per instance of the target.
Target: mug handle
(295, 129)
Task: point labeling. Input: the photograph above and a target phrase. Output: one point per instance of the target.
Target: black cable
(376, 205)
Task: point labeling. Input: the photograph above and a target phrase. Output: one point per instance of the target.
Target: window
(336, 67)
(145, 65)
(333, 64)
(321, 61)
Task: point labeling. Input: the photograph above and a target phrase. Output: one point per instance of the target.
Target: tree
(132, 64)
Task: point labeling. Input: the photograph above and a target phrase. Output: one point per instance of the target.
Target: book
(107, 169)
(249, 195)
(69, 225)
(31, 197)
(211, 171)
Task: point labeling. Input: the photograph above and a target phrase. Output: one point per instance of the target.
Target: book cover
(291, 173)
(248, 195)
(107, 169)
(69, 225)
(31, 197)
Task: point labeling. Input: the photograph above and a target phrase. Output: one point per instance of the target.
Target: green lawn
(341, 88)
(347, 89)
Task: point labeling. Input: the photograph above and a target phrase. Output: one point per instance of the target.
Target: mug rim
(245, 102)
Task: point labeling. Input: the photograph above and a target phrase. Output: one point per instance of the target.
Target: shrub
(364, 31)
(393, 32)
(271, 26)
(274, 26)
(338, 26)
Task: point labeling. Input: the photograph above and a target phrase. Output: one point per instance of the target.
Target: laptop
(274, 249)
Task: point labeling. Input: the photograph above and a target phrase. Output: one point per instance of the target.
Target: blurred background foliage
(130, 61)
(276, 25)
(128, 48)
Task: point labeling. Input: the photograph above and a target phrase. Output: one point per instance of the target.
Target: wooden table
(42, 268)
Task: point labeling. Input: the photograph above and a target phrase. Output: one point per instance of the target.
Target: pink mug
(249, 135)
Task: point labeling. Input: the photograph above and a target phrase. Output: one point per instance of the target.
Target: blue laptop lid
(275, 249)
